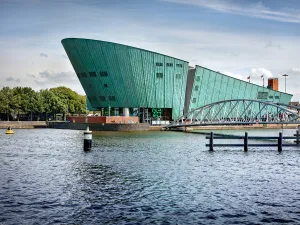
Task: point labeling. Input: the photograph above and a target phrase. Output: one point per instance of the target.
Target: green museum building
(124, 80)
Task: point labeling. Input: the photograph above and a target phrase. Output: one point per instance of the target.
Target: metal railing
(279, 144)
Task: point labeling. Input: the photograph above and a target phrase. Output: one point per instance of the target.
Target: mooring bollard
(246, 142)
(211, 141)
(87, 143)
(280, 142)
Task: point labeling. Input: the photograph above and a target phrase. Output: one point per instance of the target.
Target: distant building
(273, 83)
(297, 104)
(127, 80)
(294, 104)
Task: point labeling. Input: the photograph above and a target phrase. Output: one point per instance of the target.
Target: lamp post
(285, 75)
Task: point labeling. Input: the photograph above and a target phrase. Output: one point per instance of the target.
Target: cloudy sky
(236, 37)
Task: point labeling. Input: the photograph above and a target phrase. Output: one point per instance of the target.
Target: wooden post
(246, 142)
(280, 142)
(211, 141)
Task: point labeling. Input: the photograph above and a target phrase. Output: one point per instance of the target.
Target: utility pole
(285, 75)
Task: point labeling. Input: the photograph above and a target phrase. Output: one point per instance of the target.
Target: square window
(178, 76)
(159, 64)
(105, 85)
(102, 98)
(196, 88)
(194, 100)
(112, 98)
(83, 75)
(179, 65)
(271, 96)
(103, 74)
(92, 74)
(198, 78)
(92, 98)
(159, 75)
(276, 97)
(169, 64)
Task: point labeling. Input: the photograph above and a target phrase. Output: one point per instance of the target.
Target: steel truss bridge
(239, 112)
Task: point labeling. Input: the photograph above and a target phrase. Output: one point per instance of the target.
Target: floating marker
(9, 131)
(87, 144)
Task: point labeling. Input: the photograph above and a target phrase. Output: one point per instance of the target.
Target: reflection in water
(143, 178)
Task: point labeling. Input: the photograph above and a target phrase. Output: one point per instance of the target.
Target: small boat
(9, 131)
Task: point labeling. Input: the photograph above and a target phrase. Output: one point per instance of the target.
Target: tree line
(24, 100)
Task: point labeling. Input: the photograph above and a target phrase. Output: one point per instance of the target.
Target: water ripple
(143, 178)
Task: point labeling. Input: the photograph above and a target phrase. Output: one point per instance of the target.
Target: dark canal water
(143, 178)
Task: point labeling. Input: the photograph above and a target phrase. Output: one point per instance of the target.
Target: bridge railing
(246, 111)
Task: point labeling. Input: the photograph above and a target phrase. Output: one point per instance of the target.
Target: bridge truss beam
(239, 112)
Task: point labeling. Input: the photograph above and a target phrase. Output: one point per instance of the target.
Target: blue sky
(239, 38)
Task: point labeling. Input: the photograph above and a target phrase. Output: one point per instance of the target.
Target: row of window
(102, 98)
(92, 74)
(196, 89)
(91, 86)
(168, 64)
(105, 74)
(276, 97)
(161, 75)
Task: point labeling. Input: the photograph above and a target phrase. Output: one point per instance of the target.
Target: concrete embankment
(100, 126)
(129, 127)
(256, 126)
(23, 124)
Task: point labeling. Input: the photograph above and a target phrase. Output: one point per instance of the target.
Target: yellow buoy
(9, 131)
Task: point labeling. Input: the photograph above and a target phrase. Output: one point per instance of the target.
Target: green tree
(30, 101)
(16, 101)
(74, 102)
(55, 100)
(48, 101)
(5, 101)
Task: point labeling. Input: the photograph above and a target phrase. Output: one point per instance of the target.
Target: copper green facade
(120, 76)
(115, 75)
(207, 86)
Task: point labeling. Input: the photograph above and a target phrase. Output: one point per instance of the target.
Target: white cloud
(247, 9)
(50, 78)
(238, 76)
(56, 78)
(258, 72)
(11, 79)
(44, 55)
(271, 45)
(295, 70)
(239, 54)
